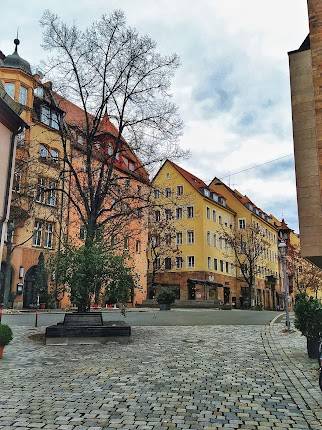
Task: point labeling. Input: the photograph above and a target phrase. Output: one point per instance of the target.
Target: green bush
(5, 335)
(308, 316)
(166, 296)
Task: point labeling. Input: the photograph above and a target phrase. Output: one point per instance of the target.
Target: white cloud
(233, 85)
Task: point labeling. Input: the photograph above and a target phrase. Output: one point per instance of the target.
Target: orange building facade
(46, 218)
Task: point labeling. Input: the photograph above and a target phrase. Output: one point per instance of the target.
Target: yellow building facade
(268, 289)
(205, 269)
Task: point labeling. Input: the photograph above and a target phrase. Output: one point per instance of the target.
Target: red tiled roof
(192, 179)
(75, 116)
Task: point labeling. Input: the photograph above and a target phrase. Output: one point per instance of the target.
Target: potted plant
(5, 337)
(308, 320)
(165, 298)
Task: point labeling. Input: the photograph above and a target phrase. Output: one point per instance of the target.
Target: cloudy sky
(232, 87)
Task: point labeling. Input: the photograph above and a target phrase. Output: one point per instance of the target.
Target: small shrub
(166, 296)
(5, 334)
(308, 316)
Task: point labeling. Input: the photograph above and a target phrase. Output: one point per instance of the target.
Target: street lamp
(282, 248)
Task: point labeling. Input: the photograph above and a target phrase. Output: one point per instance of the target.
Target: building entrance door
(29, 289)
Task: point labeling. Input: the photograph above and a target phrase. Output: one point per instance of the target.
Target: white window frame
(191, 263)
(179, 238)
(37, 236)
(179, 190)
(190, 237)
(241, 223)
(23, 95)
(192, 211)
(48, 235)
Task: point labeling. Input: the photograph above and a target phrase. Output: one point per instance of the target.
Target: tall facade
(267, 288)
(305, 77)
(41, 213)
(204, 268)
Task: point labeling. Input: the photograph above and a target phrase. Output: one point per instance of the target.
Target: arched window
(54, 155)
(43, 152)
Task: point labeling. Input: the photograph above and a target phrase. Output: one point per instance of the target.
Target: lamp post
(282, 247)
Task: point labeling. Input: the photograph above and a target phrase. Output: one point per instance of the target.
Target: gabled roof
(198, 184)
(244, 200)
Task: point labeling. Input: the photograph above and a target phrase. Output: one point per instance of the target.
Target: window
(17, 181)
(157, 264)
(190, 236)
(209, 262)
(51, 195)
(168, 239)
(10, 89)
(23, 93)
(20, 139)
(82, 232)
(221, 266)
(54, 154)
(215, 264)
(179, 213)
(215, 240)
(242, 223)
(49, 232)
(45, 115)
(156, 193)
(179, 190)
(179, 238)
(191, 261)
(220, 220)
(208, 237)
(208, 213)
(179, 262)
(168, 214)
(167, 263)
(37, 236)
(55, 120)
(227, 267)
(168, 192)
(126, 242)
(190, 211)
(131, 166)
(39, 92)
(157, 215)
(214, 216)
(43, 152)
(138, 246)
(40, 194)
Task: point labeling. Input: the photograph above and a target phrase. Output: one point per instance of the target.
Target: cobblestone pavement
(209, 377)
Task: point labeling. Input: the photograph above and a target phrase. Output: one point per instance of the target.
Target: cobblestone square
(210, 377)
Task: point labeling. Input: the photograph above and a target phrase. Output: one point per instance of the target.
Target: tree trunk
(7, 275)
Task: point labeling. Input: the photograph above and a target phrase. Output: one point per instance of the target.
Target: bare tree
(115, 76)
(164, 250)
(306, 277)
(248, 247)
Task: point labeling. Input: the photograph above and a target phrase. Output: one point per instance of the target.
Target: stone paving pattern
(209, 377)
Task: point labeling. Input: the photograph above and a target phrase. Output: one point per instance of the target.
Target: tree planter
(1, 351)
(313, 346)
(164, 306)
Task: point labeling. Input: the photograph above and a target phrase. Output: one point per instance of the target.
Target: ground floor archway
(29, 289)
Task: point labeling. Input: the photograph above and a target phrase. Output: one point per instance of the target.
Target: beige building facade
(305, 79)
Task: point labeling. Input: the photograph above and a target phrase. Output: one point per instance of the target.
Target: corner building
(205, 274)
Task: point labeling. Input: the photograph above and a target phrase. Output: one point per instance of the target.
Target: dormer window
(54, 120)
(206, 192)
(45, 115)
(39, 92)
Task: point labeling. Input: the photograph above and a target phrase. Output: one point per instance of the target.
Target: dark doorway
(191, 292)
(3, 280)
(29, 289)
(226, 295)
